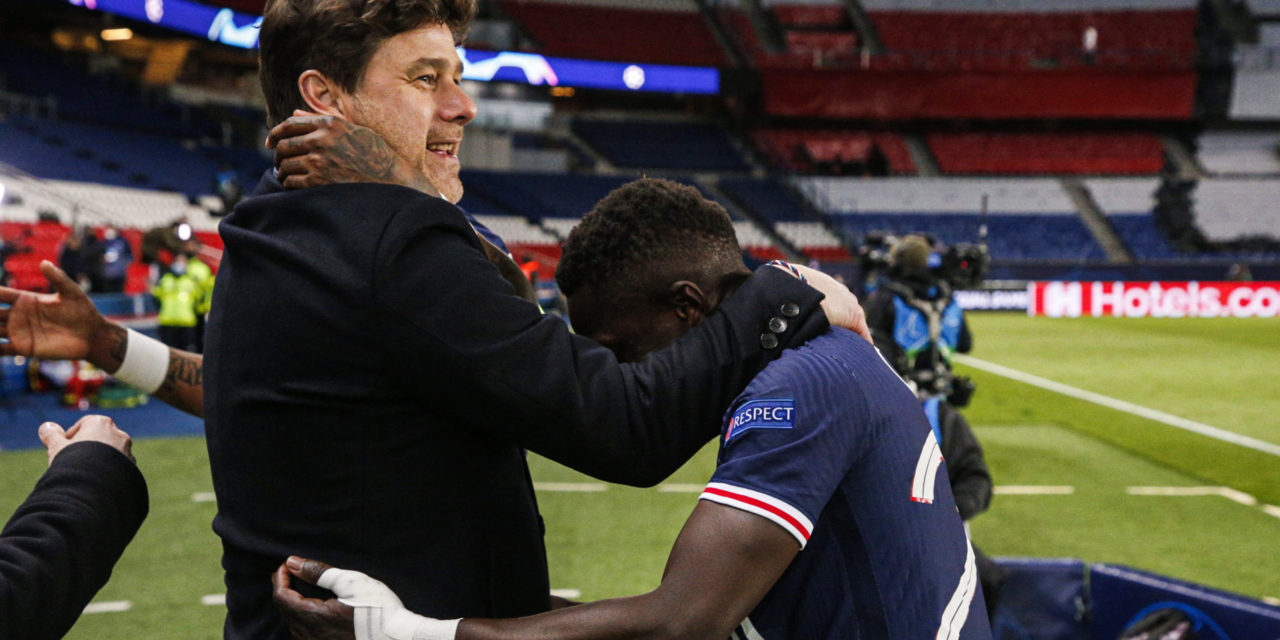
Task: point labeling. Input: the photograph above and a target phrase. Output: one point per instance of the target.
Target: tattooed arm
(313, 150)
(64, 325)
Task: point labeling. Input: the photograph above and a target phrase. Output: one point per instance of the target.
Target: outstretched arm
(722, 565)
(64, 325)
(59, 547)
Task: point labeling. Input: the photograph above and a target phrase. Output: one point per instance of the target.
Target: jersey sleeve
(786, 449)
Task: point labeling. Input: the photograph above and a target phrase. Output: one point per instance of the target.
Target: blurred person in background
(179, 293)
(59, 547)
(203, 276)
(823, 519)
(226, 185)
(160, 244)
(114, 257)
(77, 249)
(916, 322)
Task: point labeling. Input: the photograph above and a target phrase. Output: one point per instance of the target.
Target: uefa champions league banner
(241, 30)
(1154, 299)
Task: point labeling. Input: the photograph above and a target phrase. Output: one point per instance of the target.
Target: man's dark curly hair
(337, 38)
(645, 235)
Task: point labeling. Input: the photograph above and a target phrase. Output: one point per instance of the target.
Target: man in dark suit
(372, 380)
(59, 547)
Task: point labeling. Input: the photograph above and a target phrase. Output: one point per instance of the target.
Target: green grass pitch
(615, 542)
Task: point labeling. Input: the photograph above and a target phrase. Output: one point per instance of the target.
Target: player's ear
(688, 301)
(321, 93)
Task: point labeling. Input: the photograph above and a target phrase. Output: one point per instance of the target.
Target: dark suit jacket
(372, 384)
(58, 549)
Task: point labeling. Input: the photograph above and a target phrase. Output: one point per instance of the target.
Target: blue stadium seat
(1010, 236)
(652, 145)
(1139, 233)
(768, 198)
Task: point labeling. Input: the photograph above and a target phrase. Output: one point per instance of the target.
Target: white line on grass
(578, 487)
(204, 496)
(1271, 510)
(1033, 490)
(1121, 405)
(112, 606)
(676, 487)
(1226, 492)
(214, 600)
(567, 593)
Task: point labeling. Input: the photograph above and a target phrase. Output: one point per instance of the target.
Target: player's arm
(724, 561)
(64, 325)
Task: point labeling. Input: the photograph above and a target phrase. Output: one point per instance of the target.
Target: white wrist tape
(146, 362)
(379, 614)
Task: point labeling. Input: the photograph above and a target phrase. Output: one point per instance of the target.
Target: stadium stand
(666, 32)
(69, 150)
(665, 145)
(773, 203)
(1127, 203)
(1240, 153)
(1030, 219)
(1234, 208)
(1047, 153)
(1127, 33)
(80, 95)
(808, 151)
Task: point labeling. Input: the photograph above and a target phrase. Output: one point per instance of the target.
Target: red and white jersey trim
(761, 504)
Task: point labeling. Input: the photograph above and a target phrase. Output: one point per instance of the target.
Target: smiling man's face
(410, 95)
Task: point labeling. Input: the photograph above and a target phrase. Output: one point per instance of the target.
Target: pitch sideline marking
(568, 594)
(204, 496)
(214, 600)
(1031, 490)
(111, 606)
(1120, 405)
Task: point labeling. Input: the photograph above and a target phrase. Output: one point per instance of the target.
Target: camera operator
(917, 326)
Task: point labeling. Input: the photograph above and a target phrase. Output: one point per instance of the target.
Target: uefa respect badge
(765, 413)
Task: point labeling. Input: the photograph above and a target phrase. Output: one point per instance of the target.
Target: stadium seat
(661, 145)
(623, 33)
(1029, 219)
(807, 150)
(1047, 153)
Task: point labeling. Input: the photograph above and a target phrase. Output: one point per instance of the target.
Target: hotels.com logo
(1154, 299)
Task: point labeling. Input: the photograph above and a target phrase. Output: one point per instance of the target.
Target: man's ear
(688, 301)
(321, 94)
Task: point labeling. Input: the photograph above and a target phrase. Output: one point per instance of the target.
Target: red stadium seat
(799, 150)
(1048, 153)
(811, 16)
(1124, 38)
(622, 34)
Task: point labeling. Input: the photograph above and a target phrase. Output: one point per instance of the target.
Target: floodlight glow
(113, 35)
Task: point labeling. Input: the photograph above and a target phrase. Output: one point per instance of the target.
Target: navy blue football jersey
(829, 444)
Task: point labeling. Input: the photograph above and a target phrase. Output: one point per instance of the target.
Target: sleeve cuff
(764, 505)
